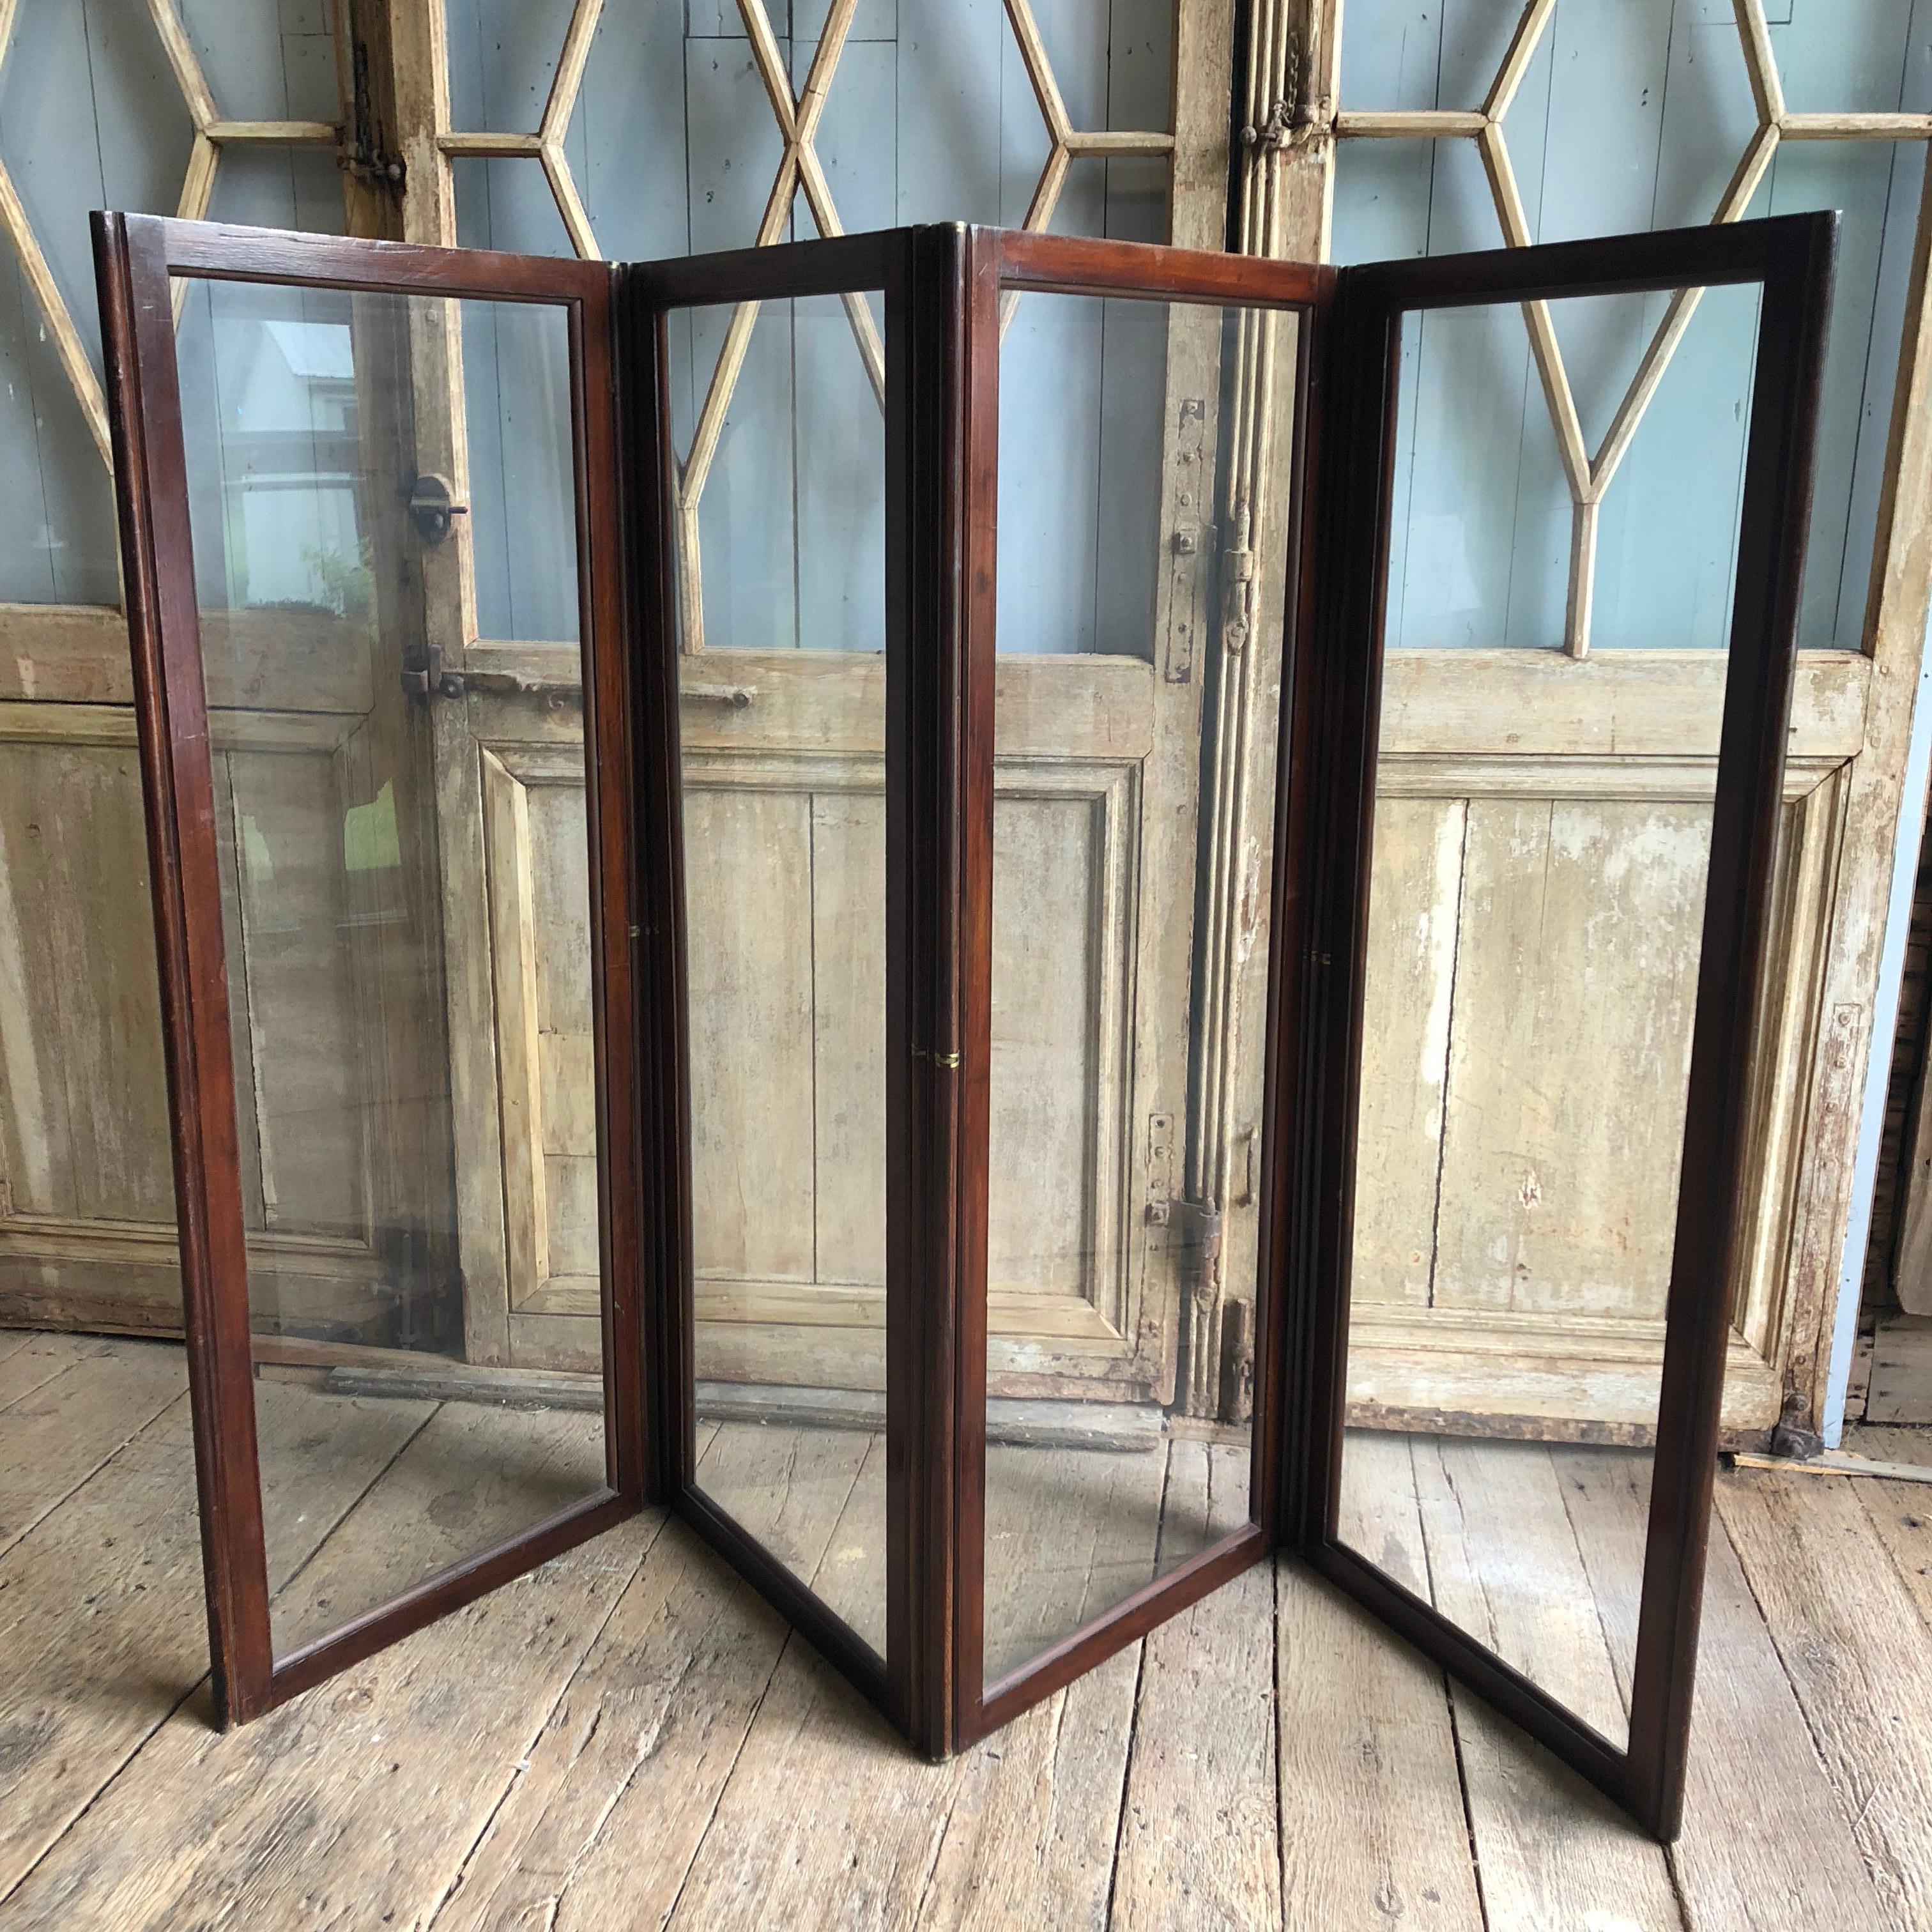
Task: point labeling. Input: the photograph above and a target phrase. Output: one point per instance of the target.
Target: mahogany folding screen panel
(931, 788)
(269, 457)
(1703, 1082)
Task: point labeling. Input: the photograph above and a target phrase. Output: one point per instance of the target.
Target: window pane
(781, 537)
(297, 414)
(1133, 803)
(1535, 928)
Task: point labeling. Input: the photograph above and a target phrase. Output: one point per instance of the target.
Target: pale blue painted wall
(930, 118)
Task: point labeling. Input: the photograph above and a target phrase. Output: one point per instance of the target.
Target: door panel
(915, 116)
(1516, 1201)
(536, 850)
(1655, 115)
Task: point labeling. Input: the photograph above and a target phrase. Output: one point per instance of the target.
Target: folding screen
(969, 810)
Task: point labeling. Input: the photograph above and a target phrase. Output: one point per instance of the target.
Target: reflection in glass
(299, 426)
(781, 445)
(1534, 930)
(1134, 743)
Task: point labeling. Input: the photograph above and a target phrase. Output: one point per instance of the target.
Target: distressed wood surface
(1856, 1644)
(630, 1736)
(1776, 1866)
(54, 1437)
(1660, 87)
(84, 1692)
(1481, 1529)
(1372, 1829)
(1198, 1835)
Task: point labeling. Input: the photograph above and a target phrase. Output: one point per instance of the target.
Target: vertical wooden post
(398, 64)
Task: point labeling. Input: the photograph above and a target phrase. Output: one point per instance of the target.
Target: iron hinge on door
(1295, 113)
(1192, 543)
(365, 151)
(1159, 1168)
(427, 679)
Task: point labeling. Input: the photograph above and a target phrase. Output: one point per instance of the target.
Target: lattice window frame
(797, 114)
(1588, 473)
(213, 131)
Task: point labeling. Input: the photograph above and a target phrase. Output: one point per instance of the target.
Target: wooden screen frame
(915, 269)
(136, 256)
(1337, 689)
(1001, 262)
(943, 288)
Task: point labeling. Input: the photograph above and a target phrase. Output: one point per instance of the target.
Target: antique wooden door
(1549, 730)
(767, 123)
(227, 109)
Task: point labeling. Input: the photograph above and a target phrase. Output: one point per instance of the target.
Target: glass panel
(781, 546)
(1535, 932)
(1481, 546)
(1131, 864)
(1635, 118)
(299, 418)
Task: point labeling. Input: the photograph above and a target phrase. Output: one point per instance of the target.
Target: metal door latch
(431, 508)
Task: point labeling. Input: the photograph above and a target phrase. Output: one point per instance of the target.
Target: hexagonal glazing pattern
(213, 132)
(1589, 472)
(797, 115)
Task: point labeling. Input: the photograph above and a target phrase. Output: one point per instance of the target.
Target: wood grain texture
(630, 1734)
(1481, 1530)
(54, 1437)
(1373, 1827)
(469, 1476)
(1196, 1841)
(1852, 1641)
(1789, 1856)
(86, 1693)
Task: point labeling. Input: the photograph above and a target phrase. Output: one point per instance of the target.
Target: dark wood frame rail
(942, 288)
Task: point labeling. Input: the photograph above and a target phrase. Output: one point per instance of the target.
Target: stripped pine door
(1557, 597)
(793, 122)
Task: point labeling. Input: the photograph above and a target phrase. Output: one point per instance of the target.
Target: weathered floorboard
(373, 1786)
(30, 1359)
(1373, 1831)
(52, 1440)
(1858, 1650)
(628, 1736)
(1765, 1844)
(1503, 1563)
(102, 1617)
(1198, 1842)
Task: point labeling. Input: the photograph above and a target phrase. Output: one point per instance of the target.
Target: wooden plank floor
(628, 1737)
